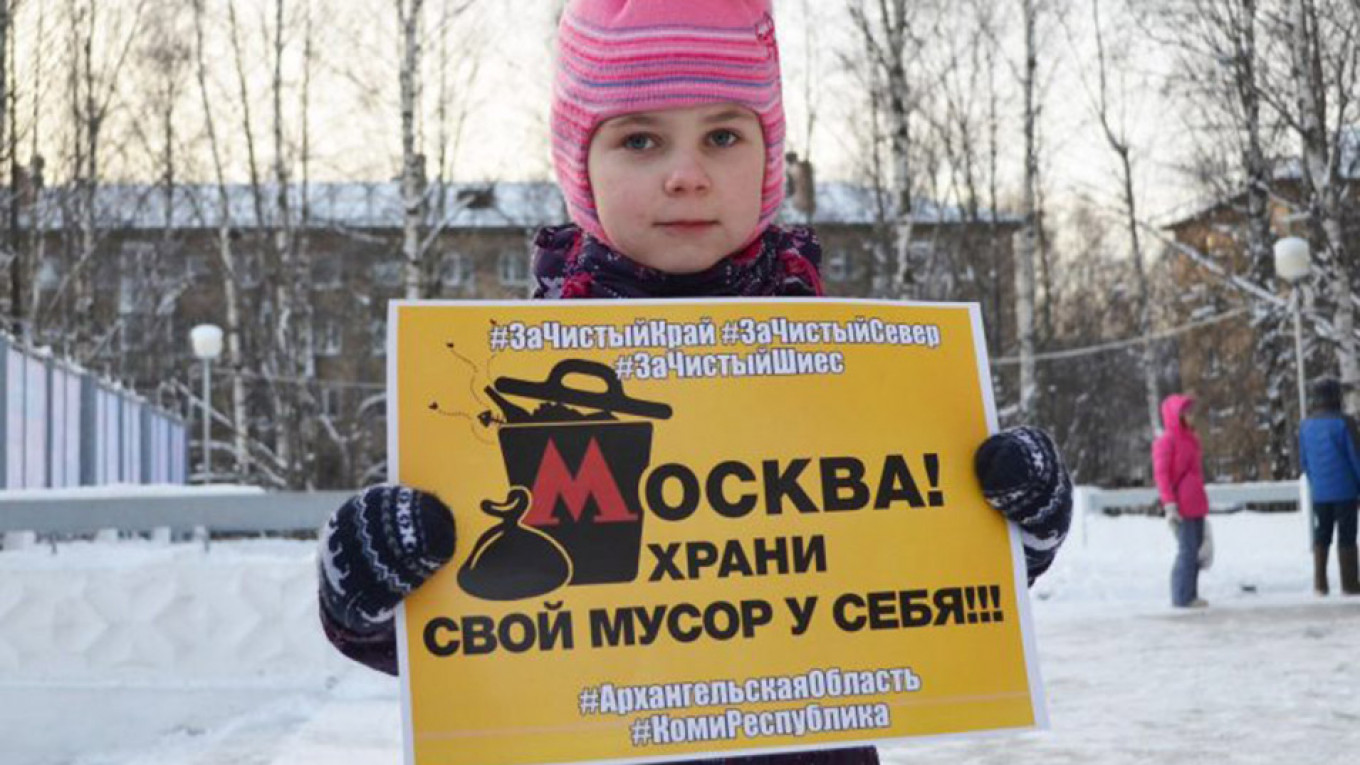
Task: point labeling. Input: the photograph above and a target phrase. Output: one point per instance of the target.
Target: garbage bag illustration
(511, 561)
(581, 466)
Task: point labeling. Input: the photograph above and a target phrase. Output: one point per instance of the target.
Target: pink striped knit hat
(618, 57)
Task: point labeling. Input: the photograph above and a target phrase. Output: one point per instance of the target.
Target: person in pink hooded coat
(1178, 466)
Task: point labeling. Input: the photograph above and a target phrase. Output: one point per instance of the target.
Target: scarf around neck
(569, 263)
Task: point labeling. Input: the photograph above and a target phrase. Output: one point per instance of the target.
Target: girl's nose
(687, 175)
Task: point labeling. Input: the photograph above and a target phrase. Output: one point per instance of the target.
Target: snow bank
(246, 611)
(146, 613)
(134, 653)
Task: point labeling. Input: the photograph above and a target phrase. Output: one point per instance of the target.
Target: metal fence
(215, 509)
(1223, 498)
(222, 509)
(63, 426)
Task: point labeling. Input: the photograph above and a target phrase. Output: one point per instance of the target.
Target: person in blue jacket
(1329, 457)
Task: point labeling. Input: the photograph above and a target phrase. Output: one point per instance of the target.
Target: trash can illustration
(581, 464)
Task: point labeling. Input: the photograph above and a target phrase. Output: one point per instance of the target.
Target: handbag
(1206, 548)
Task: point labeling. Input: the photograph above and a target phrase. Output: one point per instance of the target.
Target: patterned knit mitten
(1023, 477)
(376, 549)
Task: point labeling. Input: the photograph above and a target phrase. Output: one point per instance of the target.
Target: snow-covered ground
(107, 658)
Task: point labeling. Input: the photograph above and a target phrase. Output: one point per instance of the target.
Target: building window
(136, 253)
(477, 197)
(141, 280)
(49, 273)
(1225, 468)
(196, 267)
(453, 269)
(837, 266)
(387, 273)
(330, 401)
(326, 273)
(250, 269)
(327, 336)
(514, 269)
(139, 331)
(921, 249)
(1214, 366)
(377, 333)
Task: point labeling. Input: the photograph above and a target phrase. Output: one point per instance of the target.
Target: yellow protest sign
(703, 527)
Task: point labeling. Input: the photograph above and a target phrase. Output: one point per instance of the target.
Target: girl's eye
(639, 142)
(724, 138)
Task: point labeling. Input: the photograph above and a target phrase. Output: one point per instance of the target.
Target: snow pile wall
(137, 612)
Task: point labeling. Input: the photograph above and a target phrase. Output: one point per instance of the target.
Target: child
(1178, 467)
(668, 141)
(1330, 457)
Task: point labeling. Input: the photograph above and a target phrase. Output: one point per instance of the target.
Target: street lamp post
(1291, 264)
(206, 340)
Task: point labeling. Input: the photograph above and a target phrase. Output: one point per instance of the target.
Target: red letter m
(555, 481)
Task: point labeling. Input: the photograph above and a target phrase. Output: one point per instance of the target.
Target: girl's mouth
(687, 226)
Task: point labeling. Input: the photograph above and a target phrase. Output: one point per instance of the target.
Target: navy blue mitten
(376, 549)
(1023, 477)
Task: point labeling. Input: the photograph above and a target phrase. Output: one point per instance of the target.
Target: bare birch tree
(10, 247)
(283, 350)
(420, 230)
(1026, 238)
(20, 246)
(274, 451)
(14, 245)
(458, 64)
(989, 19)
(289, 361)
(100, 47)
(311, 417)
(1101, 424)
(32, 256)
(886, 33)
(1107, 106)
(227, 257)
(1325, 36)
(415, 271)
(1220, 51)
(961, 117)
(150, 274)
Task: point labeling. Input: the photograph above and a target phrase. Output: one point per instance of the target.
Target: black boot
(1320, 569)
(1350, 577)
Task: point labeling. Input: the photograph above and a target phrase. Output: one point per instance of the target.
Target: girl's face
(679, 189)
